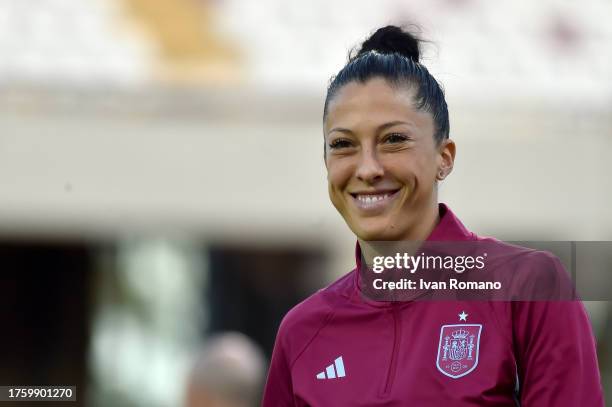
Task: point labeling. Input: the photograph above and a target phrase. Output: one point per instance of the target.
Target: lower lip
(377, 206)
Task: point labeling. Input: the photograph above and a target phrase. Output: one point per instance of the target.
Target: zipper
(397, 335)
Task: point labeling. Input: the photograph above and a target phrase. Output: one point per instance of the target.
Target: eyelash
(339, 143)
(343, 143)
(398, 136)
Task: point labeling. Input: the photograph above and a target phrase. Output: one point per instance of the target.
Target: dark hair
(393, 54)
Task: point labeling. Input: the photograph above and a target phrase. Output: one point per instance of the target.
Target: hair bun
(392, 39)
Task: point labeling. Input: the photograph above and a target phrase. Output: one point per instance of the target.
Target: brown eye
(394, 138)
(339, 143)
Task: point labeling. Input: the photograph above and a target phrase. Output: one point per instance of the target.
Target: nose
(369, 168)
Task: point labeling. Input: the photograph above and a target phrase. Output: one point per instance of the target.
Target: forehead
(360, 106)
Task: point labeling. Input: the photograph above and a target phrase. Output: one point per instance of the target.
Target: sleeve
(556, 351)
(278, 391)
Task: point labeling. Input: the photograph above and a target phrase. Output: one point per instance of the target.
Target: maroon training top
(339, 349)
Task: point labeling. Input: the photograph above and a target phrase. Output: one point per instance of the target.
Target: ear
(446, 152)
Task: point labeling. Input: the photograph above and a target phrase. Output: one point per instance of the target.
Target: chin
(374, 233)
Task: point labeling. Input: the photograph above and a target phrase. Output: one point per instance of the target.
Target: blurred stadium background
(162, 177)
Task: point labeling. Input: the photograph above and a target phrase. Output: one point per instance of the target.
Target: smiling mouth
(374, 201)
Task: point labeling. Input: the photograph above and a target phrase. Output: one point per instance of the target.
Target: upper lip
(375, 192)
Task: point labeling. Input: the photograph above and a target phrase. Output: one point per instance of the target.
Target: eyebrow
(378, 129)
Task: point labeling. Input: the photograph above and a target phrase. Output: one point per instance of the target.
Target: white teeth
(368, 199)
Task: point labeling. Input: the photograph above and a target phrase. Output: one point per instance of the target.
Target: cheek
(414, 170)
(338, 174)
(427, 170)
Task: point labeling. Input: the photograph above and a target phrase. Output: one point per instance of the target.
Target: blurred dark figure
(45, 292)
(228, 372)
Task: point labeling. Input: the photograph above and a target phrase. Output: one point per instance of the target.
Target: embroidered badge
(458, 349)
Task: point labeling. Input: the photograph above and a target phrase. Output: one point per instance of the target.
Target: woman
(386, 148)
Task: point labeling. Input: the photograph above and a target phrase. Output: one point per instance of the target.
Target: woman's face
(382, 160)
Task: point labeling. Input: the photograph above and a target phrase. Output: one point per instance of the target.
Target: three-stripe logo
(333, 371)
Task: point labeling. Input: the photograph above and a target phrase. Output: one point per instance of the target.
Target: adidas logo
(333, 371)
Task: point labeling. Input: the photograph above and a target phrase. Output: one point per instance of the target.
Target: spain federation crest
(458, 349)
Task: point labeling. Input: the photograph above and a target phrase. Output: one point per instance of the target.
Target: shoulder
(502, 253)
(530, 274)
(305, 320)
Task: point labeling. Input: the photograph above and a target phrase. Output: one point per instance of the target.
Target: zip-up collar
(449, 228)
